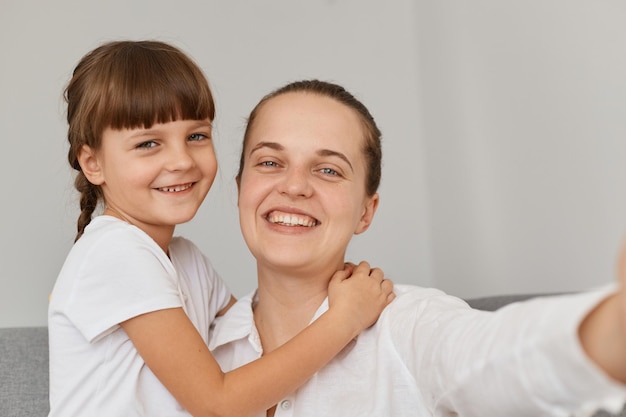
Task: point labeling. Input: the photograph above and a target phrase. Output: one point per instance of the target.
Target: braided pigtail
(89, 198)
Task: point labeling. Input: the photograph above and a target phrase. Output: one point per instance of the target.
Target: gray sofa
(24, 372)
(24, 365)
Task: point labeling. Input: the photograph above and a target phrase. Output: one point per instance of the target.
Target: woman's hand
(603, 332)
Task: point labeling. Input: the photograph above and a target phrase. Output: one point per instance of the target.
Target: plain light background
(503, 131)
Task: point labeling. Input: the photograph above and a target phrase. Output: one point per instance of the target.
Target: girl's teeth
(175, 189)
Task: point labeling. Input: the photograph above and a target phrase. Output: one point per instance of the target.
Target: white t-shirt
(115, 272)
(429, 354)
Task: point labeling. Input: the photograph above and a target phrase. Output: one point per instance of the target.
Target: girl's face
(302, 188)
(154, 178)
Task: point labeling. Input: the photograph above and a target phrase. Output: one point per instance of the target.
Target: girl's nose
(179, 158)
(296, 183)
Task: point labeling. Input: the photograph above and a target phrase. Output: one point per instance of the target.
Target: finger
(387, 286)
(349, 265)
(390, 297)
(377, 274)
(340, 276)
(363, 266)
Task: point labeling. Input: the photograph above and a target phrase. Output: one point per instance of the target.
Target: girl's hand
(358, 294)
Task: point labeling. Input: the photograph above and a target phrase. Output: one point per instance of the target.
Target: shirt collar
(238, 323)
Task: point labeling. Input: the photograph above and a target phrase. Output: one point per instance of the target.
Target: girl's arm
(172, 348)
(223, 311)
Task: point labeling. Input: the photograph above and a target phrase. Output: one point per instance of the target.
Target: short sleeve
(127, 275)
(199, 271)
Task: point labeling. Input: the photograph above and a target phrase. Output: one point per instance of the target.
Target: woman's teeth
(291, 220)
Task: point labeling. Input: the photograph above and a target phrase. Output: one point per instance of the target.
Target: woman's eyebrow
(322, 152)
(271, 145)
(329, 152)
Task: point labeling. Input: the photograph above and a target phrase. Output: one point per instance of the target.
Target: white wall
(503, 130)
(524, 120)
(246, 49)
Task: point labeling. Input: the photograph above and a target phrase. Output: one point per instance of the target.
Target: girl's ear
(368, 214)
(90, 165)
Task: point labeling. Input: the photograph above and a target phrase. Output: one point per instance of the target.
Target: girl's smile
(154, 178)
(176, 188)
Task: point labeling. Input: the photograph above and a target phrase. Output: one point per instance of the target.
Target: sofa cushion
(24, 372)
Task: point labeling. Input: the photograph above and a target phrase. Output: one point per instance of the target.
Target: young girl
(130, 312)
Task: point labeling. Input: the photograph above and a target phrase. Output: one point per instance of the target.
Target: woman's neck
(286, 304)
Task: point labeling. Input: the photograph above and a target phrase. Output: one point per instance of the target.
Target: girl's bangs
(158, 91)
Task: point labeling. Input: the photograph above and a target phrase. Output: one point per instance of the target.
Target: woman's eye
(329, 171)
(197, 137)
(147, 144)
(269, 164)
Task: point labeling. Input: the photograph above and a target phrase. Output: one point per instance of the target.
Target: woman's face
(302, 189)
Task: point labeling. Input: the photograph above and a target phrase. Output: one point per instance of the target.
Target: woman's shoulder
(415, 298)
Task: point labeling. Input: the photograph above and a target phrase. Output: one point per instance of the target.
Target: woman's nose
(296, 183)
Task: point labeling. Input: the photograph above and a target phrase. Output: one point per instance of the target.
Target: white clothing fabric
(115, 272)
(429, 354)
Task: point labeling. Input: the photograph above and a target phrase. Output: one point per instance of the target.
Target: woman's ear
(368, 214)
(238, 181)
(90, 165)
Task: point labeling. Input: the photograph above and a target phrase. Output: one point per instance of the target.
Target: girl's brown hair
(372, 148)
(129, 84)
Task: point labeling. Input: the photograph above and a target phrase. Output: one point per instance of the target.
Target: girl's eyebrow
(143, 133)
(200, 124)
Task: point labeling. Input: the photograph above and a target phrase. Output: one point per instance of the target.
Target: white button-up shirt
(429, 354)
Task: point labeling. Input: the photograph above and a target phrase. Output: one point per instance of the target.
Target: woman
(309, 172)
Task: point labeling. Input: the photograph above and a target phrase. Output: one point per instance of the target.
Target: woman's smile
(291, 219)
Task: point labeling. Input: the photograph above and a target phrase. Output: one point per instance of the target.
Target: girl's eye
(197, 137)
(329, 171)
(147, 144)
